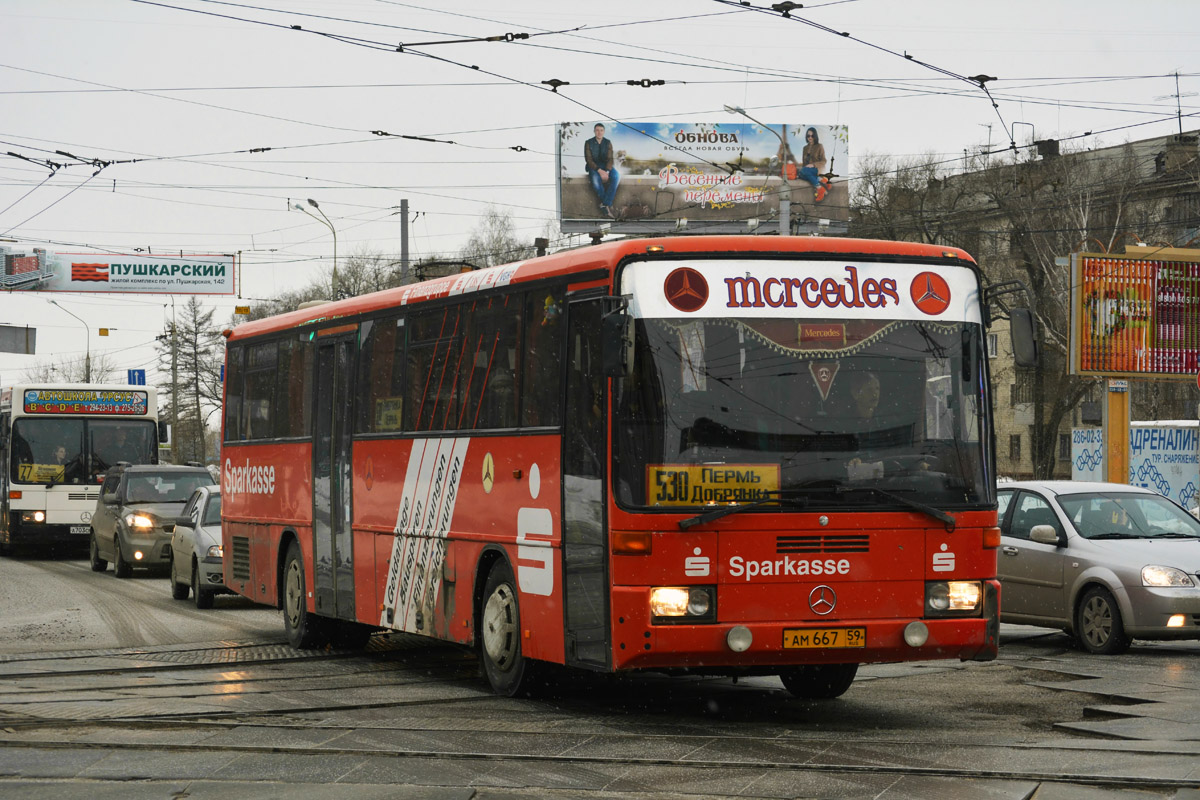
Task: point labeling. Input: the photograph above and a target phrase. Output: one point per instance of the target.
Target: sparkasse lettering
(247, 479)
(787, 567)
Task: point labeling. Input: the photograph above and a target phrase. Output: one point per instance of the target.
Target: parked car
(135, 514)
(1105, 562)
(196, 557)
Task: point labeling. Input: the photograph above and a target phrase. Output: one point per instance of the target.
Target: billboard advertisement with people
(726, 176)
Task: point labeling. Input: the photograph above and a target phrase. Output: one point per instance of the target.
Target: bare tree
(494, 241)
(72, 370)
(1018, 216)
(191, 351)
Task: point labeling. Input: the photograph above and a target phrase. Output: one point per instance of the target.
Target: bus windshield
(736, 410)
(74, 451)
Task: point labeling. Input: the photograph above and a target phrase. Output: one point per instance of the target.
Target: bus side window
(542, 371)
(496, 362)
(261, 375)
(381, 376)
(233, 393)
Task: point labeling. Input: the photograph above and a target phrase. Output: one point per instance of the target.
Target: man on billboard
(598, 153)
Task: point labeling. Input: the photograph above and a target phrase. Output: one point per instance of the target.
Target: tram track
(1080, 779)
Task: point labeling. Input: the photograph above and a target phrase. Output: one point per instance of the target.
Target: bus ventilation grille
(80, 496)
(241, 558)
(829, 543)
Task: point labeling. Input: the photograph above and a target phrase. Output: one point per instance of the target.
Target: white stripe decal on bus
(423, 520)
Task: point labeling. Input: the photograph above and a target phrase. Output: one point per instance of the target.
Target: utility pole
(174, 389)
(404, 238)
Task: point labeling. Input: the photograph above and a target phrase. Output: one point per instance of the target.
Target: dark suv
(136, 513)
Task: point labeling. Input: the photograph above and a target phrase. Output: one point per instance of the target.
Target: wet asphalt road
(111, 688)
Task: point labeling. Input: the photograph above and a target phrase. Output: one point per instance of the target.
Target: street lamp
(785, 196)
(325, 221)
(87, 359)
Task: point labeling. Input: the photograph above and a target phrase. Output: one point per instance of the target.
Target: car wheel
(1098, 624)
(179, 591)
(202, 595)
(304, 630)
(98, 563)
(819, 681)
(121, 567)
(507, 669)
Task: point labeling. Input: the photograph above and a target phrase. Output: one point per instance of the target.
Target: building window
(1014, 447)
(993, 345)
(1022, 390)
(1064, 447)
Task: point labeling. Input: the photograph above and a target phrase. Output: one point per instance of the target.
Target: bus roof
(583, 259)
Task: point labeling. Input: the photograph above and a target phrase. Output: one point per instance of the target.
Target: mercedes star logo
(822, 600)
(930, 293)
(686, 289)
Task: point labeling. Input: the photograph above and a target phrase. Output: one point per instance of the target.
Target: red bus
(719, 454)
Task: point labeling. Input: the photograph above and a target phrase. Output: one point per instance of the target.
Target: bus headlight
(139, 521)
(33, 516)
(952, 598)
(683, 604)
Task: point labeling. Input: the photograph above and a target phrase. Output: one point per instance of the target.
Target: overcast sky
(186, 89)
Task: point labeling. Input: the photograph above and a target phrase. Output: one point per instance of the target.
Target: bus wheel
(819, 681)
(1098, 624)
(121, 567)
(98, 563)
(304, 631)
(508, 671)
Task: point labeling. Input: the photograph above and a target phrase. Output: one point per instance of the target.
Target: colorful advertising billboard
(1134, 315)
(729, 176)
(47, 270)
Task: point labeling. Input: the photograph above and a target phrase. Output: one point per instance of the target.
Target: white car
(1105, 562)
(196, 555)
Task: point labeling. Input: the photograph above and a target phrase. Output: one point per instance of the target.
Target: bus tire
(179, 591)
(98, 563)
(121, 567)
(819, 681)
(202, 596)
(305, 631)
(507, 669)
(1098, 624)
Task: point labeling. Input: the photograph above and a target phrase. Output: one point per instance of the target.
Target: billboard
(47, 270)
(703, 176)
(1163, 456)
(1133, 315)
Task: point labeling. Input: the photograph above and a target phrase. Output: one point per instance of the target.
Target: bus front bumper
(729, 646)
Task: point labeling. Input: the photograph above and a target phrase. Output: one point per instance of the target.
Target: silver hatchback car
(1105, 562)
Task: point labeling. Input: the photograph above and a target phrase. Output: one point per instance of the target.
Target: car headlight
(139, 521)
(1155, 575)
(215, 551)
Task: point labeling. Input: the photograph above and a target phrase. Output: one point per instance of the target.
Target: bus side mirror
(164, 432)
(1023, 330)
(616, 345)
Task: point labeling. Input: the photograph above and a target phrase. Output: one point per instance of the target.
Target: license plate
(81, 529)
(821, 638)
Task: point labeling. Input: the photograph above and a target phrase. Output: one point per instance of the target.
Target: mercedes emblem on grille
(822, 600)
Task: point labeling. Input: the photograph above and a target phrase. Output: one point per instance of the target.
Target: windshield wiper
(936, 513)
(1173, 535)
(1116, 535)
(770, 496)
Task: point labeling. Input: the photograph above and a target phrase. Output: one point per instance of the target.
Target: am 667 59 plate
(823, 638)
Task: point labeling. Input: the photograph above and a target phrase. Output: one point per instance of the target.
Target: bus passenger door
(333, 557)
(585, 550)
